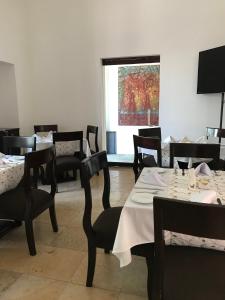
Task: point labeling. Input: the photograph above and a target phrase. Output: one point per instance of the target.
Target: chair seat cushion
(13, 203)
(194, 273)
(64, 163)
(105, 227)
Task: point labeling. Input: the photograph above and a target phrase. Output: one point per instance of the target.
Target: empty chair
(150, 132)
(45, 128)
(25, 203)
(103, 231)
(197, 151)
(67, 159)
(145, 143)
(184, 272)
(92, 138)
(11, 144)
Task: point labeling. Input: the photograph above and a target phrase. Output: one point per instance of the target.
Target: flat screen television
(211, 71)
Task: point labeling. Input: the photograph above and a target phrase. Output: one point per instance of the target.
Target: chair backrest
(33, 160)
(90, 167)
(221, 133)
(146, 143)
(194, 150)
(69, 137)
(92, 130)
(12, 143)
(45, 128)
(150, 132)
(197, 219)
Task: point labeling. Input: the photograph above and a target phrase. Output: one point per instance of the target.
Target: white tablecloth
(11, 174)
(136, 220)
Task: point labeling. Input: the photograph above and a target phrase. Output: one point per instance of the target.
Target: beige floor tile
(134, 277)
(73, 292)
(107, 273)
(123, 296)
(70, 238)
(29, 287)
(55, 263)
(62, 257)
(7, 278)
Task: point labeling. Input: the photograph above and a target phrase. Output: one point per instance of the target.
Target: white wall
(69, 38)
(9, 116)
(57, 46)
(14, 50)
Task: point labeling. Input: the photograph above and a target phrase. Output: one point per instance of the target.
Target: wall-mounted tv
(211, 71)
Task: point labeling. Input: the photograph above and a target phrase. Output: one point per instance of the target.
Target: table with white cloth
(11, 173)
(136, 224)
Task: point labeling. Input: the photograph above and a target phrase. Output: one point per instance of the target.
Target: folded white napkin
(169, 139)
(204, 197)
(153, 178)
(43, 138)
(203, 169)
(185, 140)
(166, 142)
(201, 139)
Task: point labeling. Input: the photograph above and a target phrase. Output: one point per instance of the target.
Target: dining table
(136, 224)
(11, 174)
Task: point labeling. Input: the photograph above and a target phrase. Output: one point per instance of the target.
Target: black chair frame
(196, 219)
(196, 150)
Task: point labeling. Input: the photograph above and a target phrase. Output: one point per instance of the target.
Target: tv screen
(211, 71)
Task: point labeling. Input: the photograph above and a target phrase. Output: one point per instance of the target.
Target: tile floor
(58, 271)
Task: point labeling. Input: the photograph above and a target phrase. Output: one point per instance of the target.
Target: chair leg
(91, 265)
(30, 237)
(150, 268)
(107, 251)
(81, 178)
(53, 218)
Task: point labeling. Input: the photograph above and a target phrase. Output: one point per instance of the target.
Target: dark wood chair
(141, 161)
(92, 131)
(45, 128)
(197, 151)
(65, 163)
(183, 272)
(15, 143)
(150, 132)
(25, 203)
(103, 231)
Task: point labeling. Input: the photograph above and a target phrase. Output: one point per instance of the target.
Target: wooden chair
(45, 128)
(150, 132)
(183, 272)
(25, 203)
(139, 161)
(92, 130)
(72, 162)
(15, 143)
(103, 231)
(195, 150)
